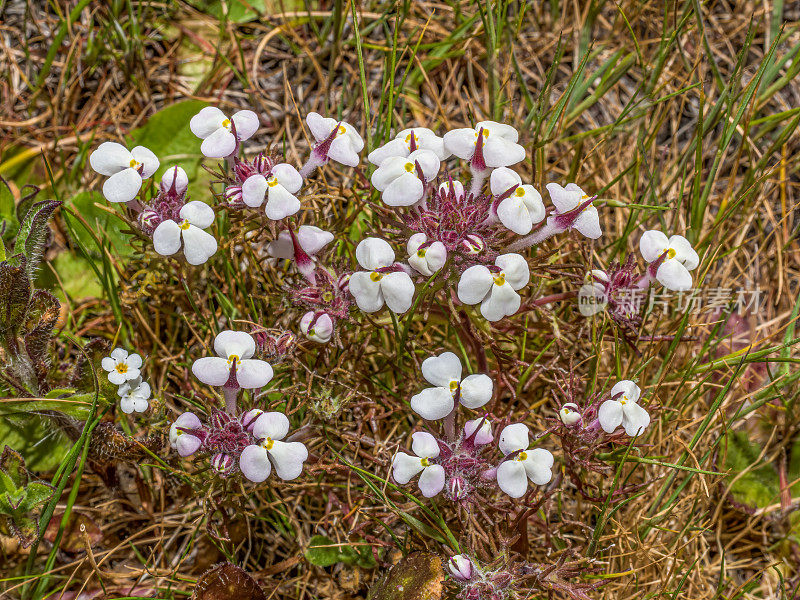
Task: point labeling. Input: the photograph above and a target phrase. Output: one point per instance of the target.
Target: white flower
(217, 130)
(382, 283)
(568, 212)
(198, 245)
(484, 435)
(288, 457)
(176, 179)
(499, 146)
(405, 466)
(624, 411)
(496, 290)
(279, 189)
(121, 366)
(125, 169)
(234, 349)
(134, 396)
(592, 297)
(183, 441)
(460, 567)
(520, 209)
(398, 179)
(425, 258)
(454, 187)
(673, 272)
(569, 413)
(317, 327)
(444, 372)
(534, 464)
(311, 239)
(403, 145)
(344, 146)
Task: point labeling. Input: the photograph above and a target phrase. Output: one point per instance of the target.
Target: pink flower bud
(222, 463)
(460, 567)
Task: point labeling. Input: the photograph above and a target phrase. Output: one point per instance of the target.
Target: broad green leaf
(77, 279)
(41, 445)
(36, 494)
(167, 134)
(105, 225)
(324, 552)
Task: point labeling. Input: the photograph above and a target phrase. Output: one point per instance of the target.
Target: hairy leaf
(418, 576)
(15, 295)
(32, 232)
(13, 465)
(45, 307)
(8, 215)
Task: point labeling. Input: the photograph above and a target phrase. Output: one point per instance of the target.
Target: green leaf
(77, 406)
(15, 295)
(34, 437)
(105, 225)
(167, 134)
(13, 466)
(33, 233)
(36, 494)
(324, 552)
(758, 486)
(76, 277)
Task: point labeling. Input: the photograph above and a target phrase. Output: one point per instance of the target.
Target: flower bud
(473, 244)
(175, 181)
(457, 488)
(249, 419)
(484, 434)
(569, 414)
(222, 463)
(460, 567)
(317, 326)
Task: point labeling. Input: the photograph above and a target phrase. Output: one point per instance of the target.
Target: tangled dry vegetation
(683, 120)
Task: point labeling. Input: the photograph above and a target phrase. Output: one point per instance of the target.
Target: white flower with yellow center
(405, 466)
(444, 372)
(125, 169)
(222, 135)
(398, 178)
(623, 409)
(423, 257)
(531, 463)
(677, 258)
(382, 282)
(495, 289)
(573, 210)
(569, 414)
(499, 147)
(345, 145)
(198, 245)
(121, 366)
(257, 460)
(407, 142)
(521, 209)
(235, 350)
(278, 188)
(134, 396)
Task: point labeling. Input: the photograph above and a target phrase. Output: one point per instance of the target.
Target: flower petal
(198, 246)
(405, 466)
(441, 370)
(366, 292)
(475, 284)
(342, 151)
(281, 203)
(512, 479)
(122, 186)
(476, 390)
(428, 162)
(252, 374)
(502, 301)
(198, 214)
(234, 343)
(219, 144)
(588, 223)
(635, 419)
(110, 158)
(503, 179)
(148, 160)
(564, 199)
(134, 361)
(629, 390)
(167, 238)
(187, 444)
(246, 123)
(254, 189)
(460, 142)
(653, 244)
(433, 403)
(373, 253)
(390, 170)
(424, 445)
(515, 268)
(392, 148)
(610, 415)
(496, 129)
(398, 291)
(254, 463)
(684, 252)
(514, 215)
(514, 437)
(273, 425)
(288, 177)
(674, 276)
(484, 435)
(288, 458)
(538, 465)
(499, 152)
(207, 121)
(211, 370)
(431, 481)
(405, 190)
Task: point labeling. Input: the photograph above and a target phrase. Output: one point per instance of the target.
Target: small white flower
(403, 145)
(288, 457)
(569, 414)
(398, 179)
(592, 297)
(279, 188)
(121, 366)
(134, 396)
(444, 372)
(521, 209)
(198, 245)
(534, 464)
(499, 147)
(425, 258)
(125, 169)
(183, 441)
(311, 239)
(484, 435)
(568, 215)
(233, 348)
(380, 283)
(317, 327)
(624, 411)
(460, 567)
(495, 290)
(217, 130)
(454, 187)
(346, 144)
(176, 179)
(405, 466)
(673, 272)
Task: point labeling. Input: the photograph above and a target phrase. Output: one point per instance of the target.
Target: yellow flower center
(311, 331)
(519, 192)
(233, 357)
(500, 279)
(453, 386)
(268, 443)
(272, 181)
(623, 400)
(226, 123)
(121, 368)
(485, 133)
(409, 167)
(522, 456)
(134, 163)
(375, 276)
(184, 225)
(566, 410)
(421, 253)
(424, 462)
(671, 253)
(341, 131)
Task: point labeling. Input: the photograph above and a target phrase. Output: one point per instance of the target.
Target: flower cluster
(124, 370)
